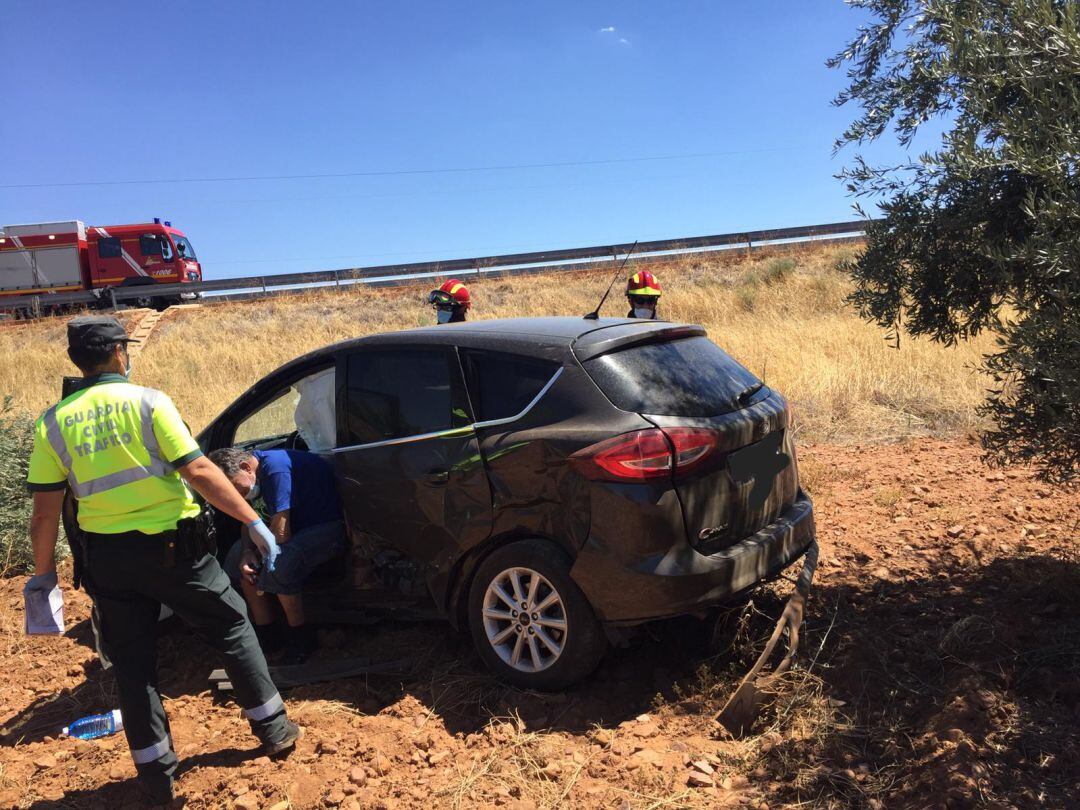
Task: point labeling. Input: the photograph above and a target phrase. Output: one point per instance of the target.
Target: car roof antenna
(595, 314)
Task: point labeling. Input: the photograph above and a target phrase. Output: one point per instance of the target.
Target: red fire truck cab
(52, 257)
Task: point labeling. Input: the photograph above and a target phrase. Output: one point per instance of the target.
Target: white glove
(44, 603)
(264, 541)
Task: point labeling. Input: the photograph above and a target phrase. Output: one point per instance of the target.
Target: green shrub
(746, 296)
(845, 259)
(16, 441)
(777, 270)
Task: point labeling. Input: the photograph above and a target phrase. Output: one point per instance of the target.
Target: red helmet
(458, 292)
(643, 283)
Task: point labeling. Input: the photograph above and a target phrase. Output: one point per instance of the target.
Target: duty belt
(134, 537)
(189, 541)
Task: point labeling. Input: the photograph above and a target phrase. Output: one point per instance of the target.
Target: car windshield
(183, 247)
(689, 377)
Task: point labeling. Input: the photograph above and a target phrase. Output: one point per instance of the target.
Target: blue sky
(735, 94)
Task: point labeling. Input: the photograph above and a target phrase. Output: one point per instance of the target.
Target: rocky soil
(940, 668)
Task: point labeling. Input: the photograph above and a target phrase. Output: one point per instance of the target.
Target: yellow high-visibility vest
(117, 446)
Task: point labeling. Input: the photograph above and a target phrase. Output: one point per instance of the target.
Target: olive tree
(982, 233)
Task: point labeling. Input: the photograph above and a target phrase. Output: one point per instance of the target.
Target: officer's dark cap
(96, 332)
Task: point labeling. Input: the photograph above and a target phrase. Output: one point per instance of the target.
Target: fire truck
(42, 261)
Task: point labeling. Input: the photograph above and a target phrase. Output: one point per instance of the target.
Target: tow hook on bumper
(741, 708)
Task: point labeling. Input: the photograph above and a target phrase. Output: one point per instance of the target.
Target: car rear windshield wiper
(748, 392)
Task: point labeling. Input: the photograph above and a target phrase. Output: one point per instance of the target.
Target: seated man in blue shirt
(304, 514)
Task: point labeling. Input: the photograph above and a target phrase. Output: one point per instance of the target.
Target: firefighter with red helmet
(643, 293)
(450, 301)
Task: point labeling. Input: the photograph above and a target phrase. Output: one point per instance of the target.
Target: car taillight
(692, 446)
(645, 455)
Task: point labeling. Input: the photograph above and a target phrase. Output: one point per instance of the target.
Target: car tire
(561, 645)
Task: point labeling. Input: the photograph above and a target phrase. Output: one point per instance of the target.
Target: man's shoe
(271, 639)
(158, 791)
(287, 743)
(300, 643)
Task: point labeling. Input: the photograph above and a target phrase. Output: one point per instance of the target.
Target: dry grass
(533, 767)
(519, 764)
(782, 316)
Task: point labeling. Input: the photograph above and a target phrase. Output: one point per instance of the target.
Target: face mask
(444, 315)
(253, 493)
(644, 312)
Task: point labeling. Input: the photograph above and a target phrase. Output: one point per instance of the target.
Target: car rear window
(689, 377)
(502, 385)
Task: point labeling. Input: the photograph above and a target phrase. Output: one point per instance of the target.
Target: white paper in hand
(45, 612)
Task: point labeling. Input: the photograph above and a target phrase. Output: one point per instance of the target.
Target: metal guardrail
(632, 265)
(384, 275)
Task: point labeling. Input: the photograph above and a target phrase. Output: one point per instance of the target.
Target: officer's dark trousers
(130, 577)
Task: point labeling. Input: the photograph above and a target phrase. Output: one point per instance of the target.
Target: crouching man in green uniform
(129, 460)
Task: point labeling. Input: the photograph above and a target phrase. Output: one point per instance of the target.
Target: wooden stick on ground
(741, 709)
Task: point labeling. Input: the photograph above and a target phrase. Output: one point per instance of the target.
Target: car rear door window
(688, 377)
(396, 393)
(502, 385)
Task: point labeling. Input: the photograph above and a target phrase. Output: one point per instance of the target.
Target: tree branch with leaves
(984, 232)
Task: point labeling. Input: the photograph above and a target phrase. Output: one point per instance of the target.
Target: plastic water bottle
(95, 725)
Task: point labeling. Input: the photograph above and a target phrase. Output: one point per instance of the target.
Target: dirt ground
(940, 668)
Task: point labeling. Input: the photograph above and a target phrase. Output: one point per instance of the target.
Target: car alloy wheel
(524, 619)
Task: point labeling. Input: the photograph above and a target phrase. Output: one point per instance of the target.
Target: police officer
(129, 460)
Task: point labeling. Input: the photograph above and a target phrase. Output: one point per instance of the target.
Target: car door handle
(437, 477)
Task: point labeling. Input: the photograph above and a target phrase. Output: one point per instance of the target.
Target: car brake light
(645, 455)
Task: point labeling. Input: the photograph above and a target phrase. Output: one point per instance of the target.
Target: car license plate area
(762, 475)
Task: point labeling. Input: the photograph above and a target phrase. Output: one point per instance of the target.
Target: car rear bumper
(681, 580)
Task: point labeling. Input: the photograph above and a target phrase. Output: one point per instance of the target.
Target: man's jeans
(303, 553)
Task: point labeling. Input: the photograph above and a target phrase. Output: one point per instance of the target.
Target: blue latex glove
(265, 542)
(44, 604)
(41, 582)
